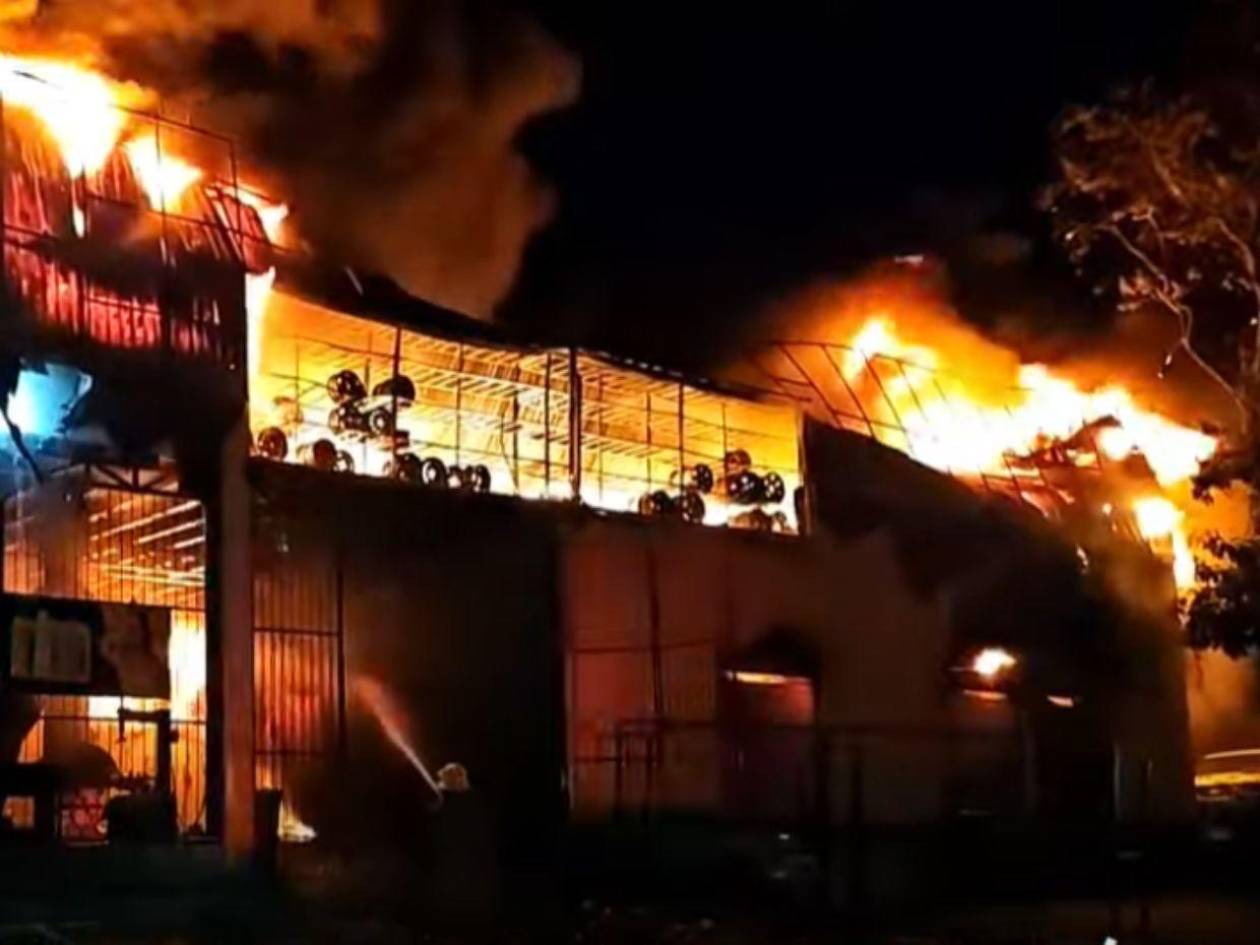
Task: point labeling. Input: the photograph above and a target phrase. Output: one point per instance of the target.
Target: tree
(1157, 204)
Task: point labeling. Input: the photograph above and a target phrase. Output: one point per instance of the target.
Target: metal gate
(123, 535)
(299, 707)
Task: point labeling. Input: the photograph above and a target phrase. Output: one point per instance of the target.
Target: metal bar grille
(72, 537)
(92, 260)
(298, 710)
(556, 424)
(928, 414)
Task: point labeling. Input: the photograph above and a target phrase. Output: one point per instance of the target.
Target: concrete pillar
(230, 651)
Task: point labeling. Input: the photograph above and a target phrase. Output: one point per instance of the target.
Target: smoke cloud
(919, 295)
(390, 128)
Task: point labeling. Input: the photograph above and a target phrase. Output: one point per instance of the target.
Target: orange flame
(258, 286)
(1160, 521)
(992, 662)
(291, 828)
(163, 176)
(976, 431)
(270, 214)
(79, 108)
(970, 436)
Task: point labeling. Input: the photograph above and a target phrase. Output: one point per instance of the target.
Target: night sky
(718, 159)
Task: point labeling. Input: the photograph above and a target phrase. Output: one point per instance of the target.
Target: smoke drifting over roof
(389, 127)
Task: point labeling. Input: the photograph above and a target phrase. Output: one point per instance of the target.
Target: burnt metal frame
(807, 390)
(234, 333)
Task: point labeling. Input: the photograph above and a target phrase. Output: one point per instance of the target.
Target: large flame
(270, 214)
(968, 435)
(163, 176)
(976, 431)
(88, 115)
(258, 286)
(78, 107)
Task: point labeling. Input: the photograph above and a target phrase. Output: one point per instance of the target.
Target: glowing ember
(76, 106)
(758, 679)
(291, 829)
(991, 662)
(163, 176)
(985, 695)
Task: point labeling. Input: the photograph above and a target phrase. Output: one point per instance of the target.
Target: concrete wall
(905, 573)
(883, 651)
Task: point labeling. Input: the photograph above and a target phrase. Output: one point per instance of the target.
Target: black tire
(433, 472)
(773, 487)
(745, 488)
(380, 422)
(691, 507)
(272, 443)
(322, 455)
(399, 387)
(345, 387)
(406, 467)
(346, 419)
(703, 476)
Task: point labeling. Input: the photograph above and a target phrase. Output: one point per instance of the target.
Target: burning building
(378, 552)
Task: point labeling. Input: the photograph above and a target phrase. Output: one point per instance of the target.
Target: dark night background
(719, 158)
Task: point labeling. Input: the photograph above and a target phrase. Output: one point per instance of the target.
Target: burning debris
(902, 372)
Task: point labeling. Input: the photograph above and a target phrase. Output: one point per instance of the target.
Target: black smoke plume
(389, 127)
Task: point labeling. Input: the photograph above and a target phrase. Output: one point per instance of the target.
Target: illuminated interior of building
(81, 536)
(347, 394)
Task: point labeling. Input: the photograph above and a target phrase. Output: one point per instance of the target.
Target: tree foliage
(1157, 205)
(1159, 208)
(1225, 610)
